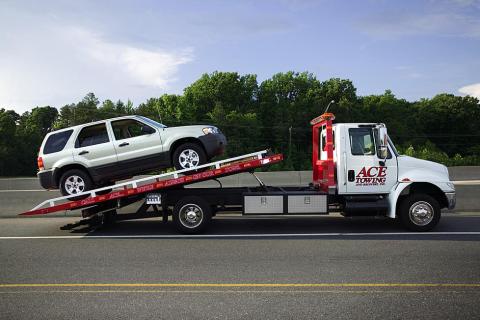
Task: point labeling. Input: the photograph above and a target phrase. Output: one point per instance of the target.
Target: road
(322, 267)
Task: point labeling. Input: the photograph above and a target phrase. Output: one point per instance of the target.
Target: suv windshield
(153, 122)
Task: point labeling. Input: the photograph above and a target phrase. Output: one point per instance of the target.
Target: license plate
(154, 198)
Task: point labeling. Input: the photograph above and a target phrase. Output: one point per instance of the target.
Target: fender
(393, 197)
(401, 186)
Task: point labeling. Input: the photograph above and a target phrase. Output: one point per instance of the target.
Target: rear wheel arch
(58, 172)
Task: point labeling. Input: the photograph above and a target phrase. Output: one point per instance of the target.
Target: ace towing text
(356, 171)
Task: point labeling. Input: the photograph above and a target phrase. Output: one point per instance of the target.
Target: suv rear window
(92, 135)
(56, 142)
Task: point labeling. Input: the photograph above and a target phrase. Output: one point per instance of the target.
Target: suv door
(365, 172)
(94, 149)
(138, 146)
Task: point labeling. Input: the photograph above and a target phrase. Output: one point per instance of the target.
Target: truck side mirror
(383, 145)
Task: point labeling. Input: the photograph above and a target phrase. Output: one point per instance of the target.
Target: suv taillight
(40, 163)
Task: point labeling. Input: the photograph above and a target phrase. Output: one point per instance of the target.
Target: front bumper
(46, 179)
(451, 199)
(214, 144)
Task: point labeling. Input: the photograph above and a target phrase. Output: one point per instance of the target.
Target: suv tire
(188, 155)
(75, 181)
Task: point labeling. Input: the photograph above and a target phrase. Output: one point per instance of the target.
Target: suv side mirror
(383, 145)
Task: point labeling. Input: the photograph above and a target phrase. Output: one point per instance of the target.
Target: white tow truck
(356, 171)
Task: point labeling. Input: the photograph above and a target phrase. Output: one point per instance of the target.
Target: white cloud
(48, 63)
(471, 90)
(154, 68)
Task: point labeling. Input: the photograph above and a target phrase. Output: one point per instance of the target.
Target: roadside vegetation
(272, 114)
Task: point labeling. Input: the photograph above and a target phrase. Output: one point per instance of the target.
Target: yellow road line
(236, 285)
(220, 291)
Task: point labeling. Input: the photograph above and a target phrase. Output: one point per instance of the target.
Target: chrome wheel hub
(421, 213)
(191, 215)
(74, 185)
(189, 159)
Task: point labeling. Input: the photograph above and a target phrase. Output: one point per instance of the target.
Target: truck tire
(188, 155)
(419, 212)
(75, 181)
(191, 215)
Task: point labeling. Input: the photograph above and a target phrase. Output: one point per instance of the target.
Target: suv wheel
(73, 182)
(189, 156)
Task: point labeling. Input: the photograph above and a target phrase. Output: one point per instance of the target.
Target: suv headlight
(210, 130)
(451, 185)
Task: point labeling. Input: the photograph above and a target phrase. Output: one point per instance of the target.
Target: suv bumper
(46, 179)
(214, 144)
(451, 199)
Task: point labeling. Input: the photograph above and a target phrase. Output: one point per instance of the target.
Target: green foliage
(272, 114)
(429, 151)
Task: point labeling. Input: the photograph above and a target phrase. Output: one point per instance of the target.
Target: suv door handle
(123, 144)
(83, 152)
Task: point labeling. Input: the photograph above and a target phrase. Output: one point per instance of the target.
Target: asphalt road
(322, 267)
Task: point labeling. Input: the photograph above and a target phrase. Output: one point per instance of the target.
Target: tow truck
(356, 171)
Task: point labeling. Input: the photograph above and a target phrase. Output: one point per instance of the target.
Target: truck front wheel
(191, 215)
(419, 212)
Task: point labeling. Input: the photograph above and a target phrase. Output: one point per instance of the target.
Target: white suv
(96, 154)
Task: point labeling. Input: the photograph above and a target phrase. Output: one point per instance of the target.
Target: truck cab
(371, 178)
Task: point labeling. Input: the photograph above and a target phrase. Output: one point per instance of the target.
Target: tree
(450, 122)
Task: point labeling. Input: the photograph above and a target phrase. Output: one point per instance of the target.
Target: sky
(55, 52)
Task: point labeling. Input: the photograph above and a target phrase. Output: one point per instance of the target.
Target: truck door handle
(123, 144)
(351, 175)
(83, 152)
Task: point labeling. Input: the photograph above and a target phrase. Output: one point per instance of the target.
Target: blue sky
(54, 52)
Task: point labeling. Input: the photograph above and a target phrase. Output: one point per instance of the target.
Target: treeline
(272, 114)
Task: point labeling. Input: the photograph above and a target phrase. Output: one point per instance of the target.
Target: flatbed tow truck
(356, 171)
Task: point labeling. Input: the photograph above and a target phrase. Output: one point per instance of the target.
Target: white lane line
(466, 182)
(261, 235)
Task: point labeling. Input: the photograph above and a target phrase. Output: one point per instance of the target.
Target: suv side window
(129, 128)
(56, 142)
(92, 135)
(361, 141)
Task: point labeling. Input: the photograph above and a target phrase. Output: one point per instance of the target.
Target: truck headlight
(210, 130)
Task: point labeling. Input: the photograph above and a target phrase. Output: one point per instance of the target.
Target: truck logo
(371, 176)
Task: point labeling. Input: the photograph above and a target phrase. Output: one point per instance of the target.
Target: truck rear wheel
(191, 215)
(419, 212)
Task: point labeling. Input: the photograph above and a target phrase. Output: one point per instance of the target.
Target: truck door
(366, 171)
